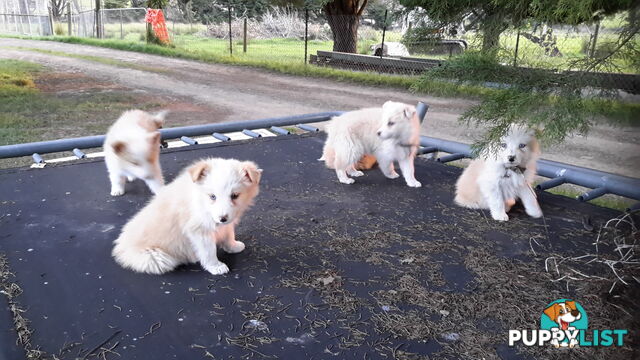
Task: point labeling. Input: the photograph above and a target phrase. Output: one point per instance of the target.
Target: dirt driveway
(233, 93)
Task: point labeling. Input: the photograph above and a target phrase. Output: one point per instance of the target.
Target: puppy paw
(130, 178)
(500, 217)
(347, 181)
(393, 175)
(534, 213)
(234, 248)
(357, 173)
(117, 192)
(217, 269)
(414, 183)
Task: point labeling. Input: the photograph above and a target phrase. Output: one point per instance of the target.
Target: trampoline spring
(253, 134)
(37, 158)
(592, 194)
(452, 157)
(427, 150)
(221, 137)
(306, 127)
(79, 154)
(279, 130)
(551, 183)
(188, 140)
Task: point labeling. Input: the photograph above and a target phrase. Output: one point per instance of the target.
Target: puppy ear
(409, 111)
(571, 305)
(250, 172)
(159, 117)
(154, 138)
(118, 147)
(198, 171)
(552, 312)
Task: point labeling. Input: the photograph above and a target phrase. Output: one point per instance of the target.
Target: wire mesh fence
(394, 43)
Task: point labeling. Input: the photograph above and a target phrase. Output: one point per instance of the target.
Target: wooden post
(230, 36)
(306, 33)
(515, 55)
(68, 7)
(384, 31)
(244, 36)
(592, 53)
(97, 21)
(121, 29)
(51, 21)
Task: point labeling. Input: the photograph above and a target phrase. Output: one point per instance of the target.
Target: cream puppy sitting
(187, 218)
(132, 150)
(390, 133)
(497, 180)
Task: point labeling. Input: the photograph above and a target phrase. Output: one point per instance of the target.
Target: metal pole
(69, 19)
(384, 31)
(230, 36)
(306, 33)
(592, 53)
(244, 36)
(97, 19)
(515, 56)
(121, 29)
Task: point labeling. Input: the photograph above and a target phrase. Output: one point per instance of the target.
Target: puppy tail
(148, 261)
(328, 156)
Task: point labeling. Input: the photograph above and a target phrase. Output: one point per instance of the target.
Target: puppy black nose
(379, 133)
(223, 219)
(575, 313)
(512, 158)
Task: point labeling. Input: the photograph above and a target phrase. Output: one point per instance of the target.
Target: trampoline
(374, 270)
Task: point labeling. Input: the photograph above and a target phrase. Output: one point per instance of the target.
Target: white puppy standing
(497, 180)
(187, 218)
(390, 133)
(132, 150)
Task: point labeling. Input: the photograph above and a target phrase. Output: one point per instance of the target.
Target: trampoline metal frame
(599, 182)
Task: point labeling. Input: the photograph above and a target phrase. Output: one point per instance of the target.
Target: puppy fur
(497, 180)
(186, 219)
(357, 139)
(132, 150)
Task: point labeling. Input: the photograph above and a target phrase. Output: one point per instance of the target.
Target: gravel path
(241, 93)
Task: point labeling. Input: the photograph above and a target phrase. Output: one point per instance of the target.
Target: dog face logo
(564, 318)
(563, 313)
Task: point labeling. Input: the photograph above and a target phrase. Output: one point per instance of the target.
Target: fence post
(69, 19)
(384, 31)
(97, 17)
(51, 21)
(515, 55)
(121, 29)
(230, 36)
(306, 33)
(592, 53)
(26, 6)
(244, 36)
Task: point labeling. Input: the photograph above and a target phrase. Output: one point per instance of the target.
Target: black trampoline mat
(374, 270)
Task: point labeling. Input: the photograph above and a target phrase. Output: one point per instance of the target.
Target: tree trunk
(345, 33)
(343, 17)
(491, 37)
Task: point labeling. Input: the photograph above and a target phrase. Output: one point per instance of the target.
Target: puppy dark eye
(522, 146)
(234, 196)
(213, 197)
(390, 123)
(503, 145)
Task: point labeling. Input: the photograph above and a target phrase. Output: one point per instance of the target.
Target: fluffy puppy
(187, 218)
(358, 138)
(497, 180)
(132, 150)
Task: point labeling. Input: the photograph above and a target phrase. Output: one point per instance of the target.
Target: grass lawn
(31, 111)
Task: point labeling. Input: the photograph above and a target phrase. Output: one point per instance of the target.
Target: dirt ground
(200, 93)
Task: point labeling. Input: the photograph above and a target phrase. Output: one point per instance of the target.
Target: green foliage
(157, 4)
(116, 4)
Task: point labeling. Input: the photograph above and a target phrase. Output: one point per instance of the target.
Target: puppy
(187, 218)
(132, 150)
(496, 181)
(358, 138)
